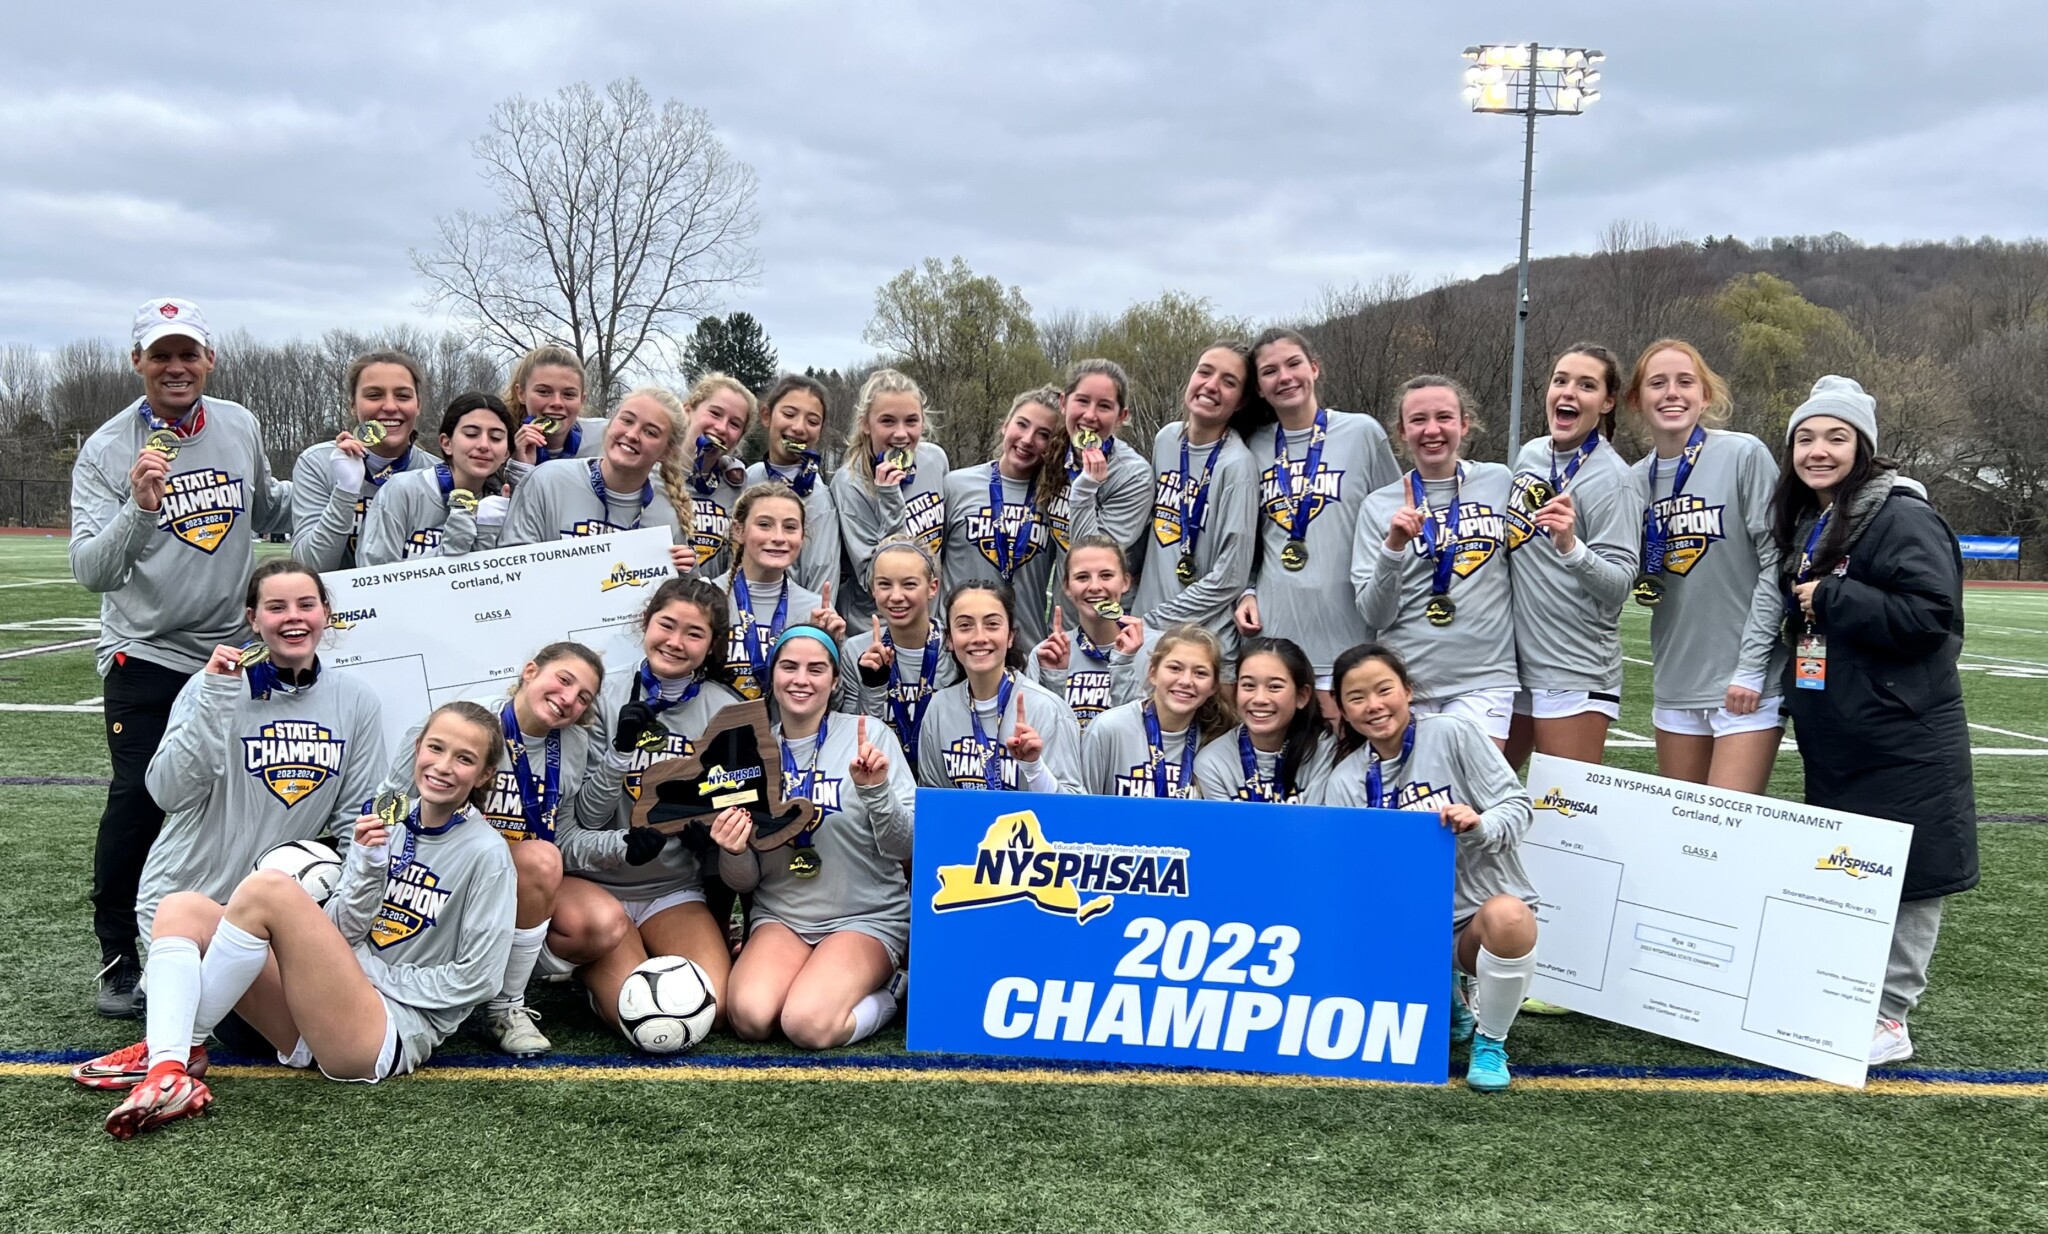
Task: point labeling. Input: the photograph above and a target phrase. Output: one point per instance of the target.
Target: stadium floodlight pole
(1528, 80)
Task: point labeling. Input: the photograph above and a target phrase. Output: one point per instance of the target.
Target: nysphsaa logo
(293, 758)
(623, 575)
(350, 618)
(1556, 800)
(1016, 862)
(1853, 866)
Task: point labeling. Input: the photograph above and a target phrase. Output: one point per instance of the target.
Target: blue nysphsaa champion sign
(1243, 937)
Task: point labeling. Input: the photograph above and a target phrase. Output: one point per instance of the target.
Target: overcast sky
(275, 162)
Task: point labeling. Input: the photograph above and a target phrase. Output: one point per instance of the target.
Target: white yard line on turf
(1978, 655)
(1978, 626)
(34, 582)
(75, 708)
(1626, 735)
(1644, 663)
(2006, 732)
(36, 651)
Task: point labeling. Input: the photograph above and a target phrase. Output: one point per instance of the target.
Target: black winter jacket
(1887, 736)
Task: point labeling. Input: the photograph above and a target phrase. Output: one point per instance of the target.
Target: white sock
(872, 1013)
(234, 960)
(1498, 988)
(173, 999)
(519, 965)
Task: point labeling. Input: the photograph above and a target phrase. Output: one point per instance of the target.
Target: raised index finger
(860, 732)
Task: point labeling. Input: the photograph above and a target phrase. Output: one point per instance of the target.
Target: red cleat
(167, 1094)
(125, 1068)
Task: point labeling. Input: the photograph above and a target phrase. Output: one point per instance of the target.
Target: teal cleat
(1488, 1070)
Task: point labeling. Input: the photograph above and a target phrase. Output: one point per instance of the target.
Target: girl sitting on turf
(657, 880)
(831, 915)
(1445, 764)
(414, 938)
(1102, 663)
(769, 524)
(550, 772)
(976, 734)
(1147, 748)
(892, 670)
(1281, 751)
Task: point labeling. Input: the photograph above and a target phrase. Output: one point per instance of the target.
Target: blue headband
(831, 648)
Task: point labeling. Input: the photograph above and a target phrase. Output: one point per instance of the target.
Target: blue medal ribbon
(650, 690)
(704, 476)
(378, 479)
(907, 720)
(1155, 757)
(800, 783)
(571, 444)
(1089, 647)
(536, 802)
(1010, 552)
(992, 768)
(604, 503)
(151, 422)
(1375, 788)
(1311, 466)
(1655, 535)
(264, 679)
(750, 637)
(805, 477)
(1194, 497)
(408, 843)
(1248, 756)
(1579, 457)
(1439, 533)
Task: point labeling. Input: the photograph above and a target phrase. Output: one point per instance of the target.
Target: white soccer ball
(666, 1005)
(316, 866)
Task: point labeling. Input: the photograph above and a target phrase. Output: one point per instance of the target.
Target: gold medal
(1441, 611)
(1648, 591)
(901, 460)
(254, 654)
(463, 500)
(1537, 494)
(1295, 555)
(792, 446)
(391, 808)
(164, 442)
(1109, 608)
(372, 433)
(651, 740)
(1184, 569)
(1087, 439)
(547, 425)
(804, 863)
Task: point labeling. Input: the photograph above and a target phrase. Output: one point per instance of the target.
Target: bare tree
(618, 221)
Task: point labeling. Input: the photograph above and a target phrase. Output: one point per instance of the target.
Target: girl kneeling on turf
(649, 715)
(550, 772)
(1147, 748)
(831, 920)
(1282, 751)
(414, 938)
(1396, 759)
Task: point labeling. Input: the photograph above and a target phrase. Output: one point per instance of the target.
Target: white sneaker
(513, 1028)
(1890, 1042)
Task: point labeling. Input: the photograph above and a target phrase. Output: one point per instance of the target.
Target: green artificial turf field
(1606, 1128)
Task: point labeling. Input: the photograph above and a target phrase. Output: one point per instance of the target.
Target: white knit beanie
(1842, 398)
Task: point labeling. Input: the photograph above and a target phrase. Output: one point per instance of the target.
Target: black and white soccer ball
(314, 865)
(666, 1005)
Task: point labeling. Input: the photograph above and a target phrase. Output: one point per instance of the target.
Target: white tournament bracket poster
(424, 631)
(1744, 924)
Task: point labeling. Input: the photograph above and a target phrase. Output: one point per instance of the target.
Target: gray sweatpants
(1905, 970)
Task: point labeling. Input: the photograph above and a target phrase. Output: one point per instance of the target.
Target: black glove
(874, 678)
(635, 719)
(643, 844)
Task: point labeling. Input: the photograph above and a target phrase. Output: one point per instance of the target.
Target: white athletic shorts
(1563, 704)
(1717, 721)
(639, 912)
(1491, 710)
(390, 1059)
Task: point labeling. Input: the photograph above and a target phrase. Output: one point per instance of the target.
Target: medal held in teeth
(1087, 439)
(547, 425)
(372, 433)
(901, 460)
(1109, 609)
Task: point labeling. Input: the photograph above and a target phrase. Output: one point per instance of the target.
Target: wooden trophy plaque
(727, 767)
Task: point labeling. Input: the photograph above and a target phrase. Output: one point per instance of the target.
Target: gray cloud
(276, 164)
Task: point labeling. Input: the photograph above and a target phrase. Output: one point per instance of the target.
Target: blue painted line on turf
(939, 1064)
